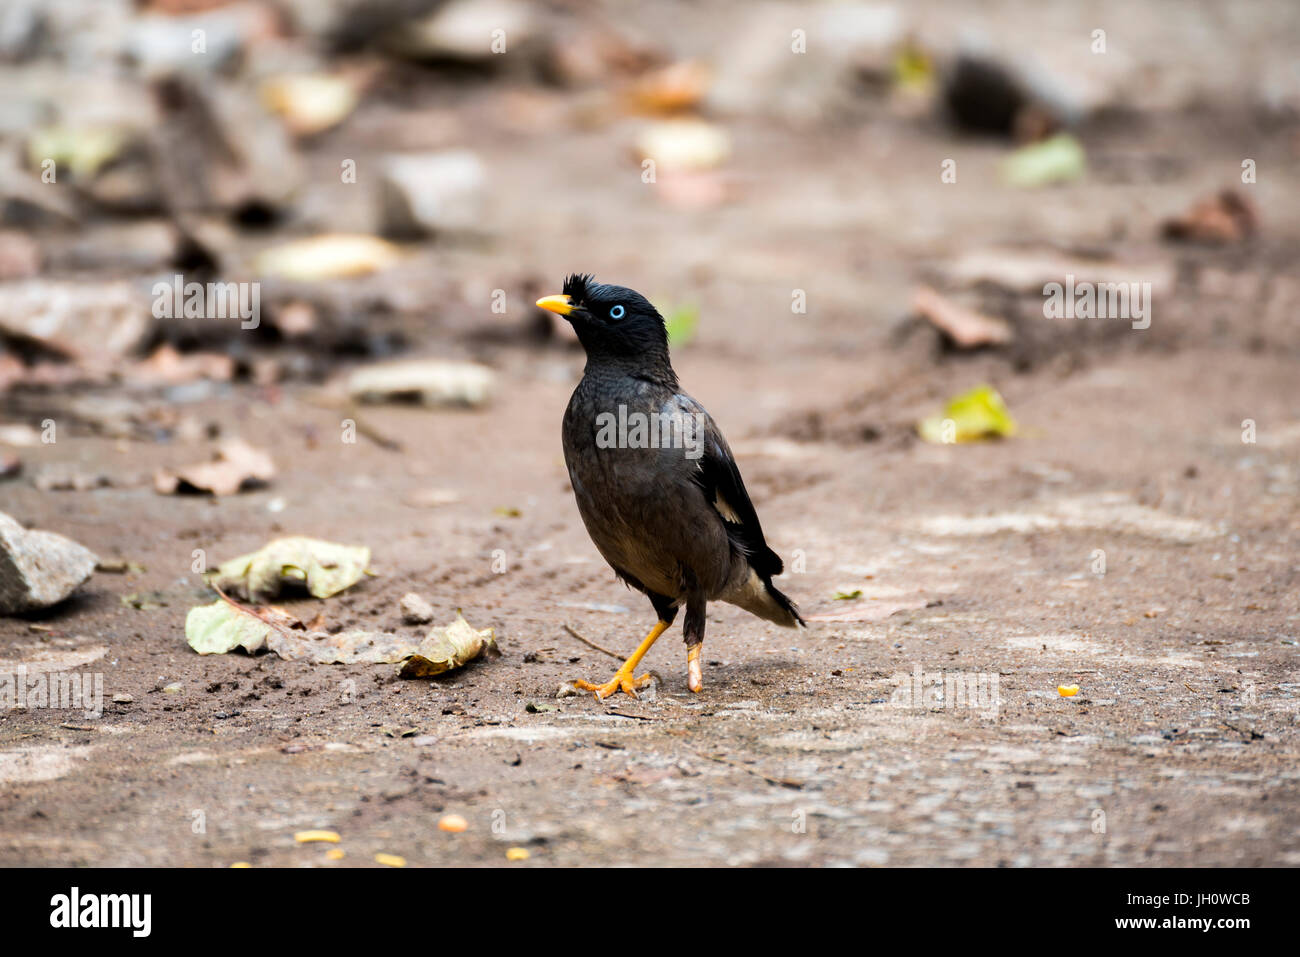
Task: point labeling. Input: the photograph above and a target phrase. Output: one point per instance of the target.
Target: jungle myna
(655, 481)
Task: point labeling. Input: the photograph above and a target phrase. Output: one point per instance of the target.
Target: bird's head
(613, 323)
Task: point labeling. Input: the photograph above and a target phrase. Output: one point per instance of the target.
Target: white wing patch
(726, 511)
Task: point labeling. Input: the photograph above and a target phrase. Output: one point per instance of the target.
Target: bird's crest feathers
(575, 287)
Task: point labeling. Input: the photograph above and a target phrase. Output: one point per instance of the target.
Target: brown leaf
(235, 465)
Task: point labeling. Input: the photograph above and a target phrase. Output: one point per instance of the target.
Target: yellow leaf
(978, 414)
(309, 837)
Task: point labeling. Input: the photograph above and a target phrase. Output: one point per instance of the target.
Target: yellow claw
(623, 679)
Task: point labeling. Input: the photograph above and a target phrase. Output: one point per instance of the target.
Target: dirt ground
(1127, 541)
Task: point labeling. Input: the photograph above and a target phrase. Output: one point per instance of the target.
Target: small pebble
(415, 610)
(453, 823)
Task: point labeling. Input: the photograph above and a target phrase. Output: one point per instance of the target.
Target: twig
(782, 782)
(349, 410)
(592, 644)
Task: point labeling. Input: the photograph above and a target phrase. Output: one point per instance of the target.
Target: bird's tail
(760, 597)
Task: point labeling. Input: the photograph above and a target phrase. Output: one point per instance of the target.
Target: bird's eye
(617, 312)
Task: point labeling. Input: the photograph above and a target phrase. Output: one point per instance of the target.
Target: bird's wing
(719, 479)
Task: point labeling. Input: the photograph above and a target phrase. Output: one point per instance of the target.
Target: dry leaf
(235, 465)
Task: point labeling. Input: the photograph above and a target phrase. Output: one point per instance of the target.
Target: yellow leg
(623, 680)
(694, 680)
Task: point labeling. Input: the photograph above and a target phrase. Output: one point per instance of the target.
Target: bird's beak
(557, 304)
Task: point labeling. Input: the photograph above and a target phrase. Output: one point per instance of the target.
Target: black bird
(655, 481)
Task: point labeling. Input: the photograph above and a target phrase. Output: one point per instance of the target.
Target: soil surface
(1133, 539)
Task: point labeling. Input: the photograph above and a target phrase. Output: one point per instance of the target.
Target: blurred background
(714, 156)
(848, 214)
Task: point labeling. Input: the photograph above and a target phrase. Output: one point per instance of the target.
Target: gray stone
(38, 569)
(415, 610)
(430, 193)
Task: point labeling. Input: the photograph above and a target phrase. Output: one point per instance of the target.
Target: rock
(216, 149)
(123, 699)
(23, 30)
(471, 31)
(430, 381)
(759, 72)
(163, 44)
(415, 610)
(20, 256)
(429, 193)
(39, 569)
(78, 319)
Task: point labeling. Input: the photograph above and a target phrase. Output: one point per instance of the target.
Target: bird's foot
(694, 679)
(622, 681)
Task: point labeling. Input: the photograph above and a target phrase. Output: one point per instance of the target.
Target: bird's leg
(693, 630)
(623, 679)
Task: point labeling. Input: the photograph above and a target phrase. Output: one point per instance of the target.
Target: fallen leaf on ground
(226, 624)
(446, 648)
(969, 417)
(965, 327)
(686, 144)
(429, 381)
(678, 86)
(848, 595)
(390, 860)
(329, 256)
(453, 823)
(311, 837)
(323, 568)
(1227, 217)
(1057, 159)
(167, 366)
(82, 152)
(235, 465)
(1067, 691)
(310, 103)
(431, 498)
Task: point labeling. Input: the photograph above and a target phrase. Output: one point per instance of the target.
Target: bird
(655, 481)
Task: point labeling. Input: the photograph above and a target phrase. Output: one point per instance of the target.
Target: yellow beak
(559, 304)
